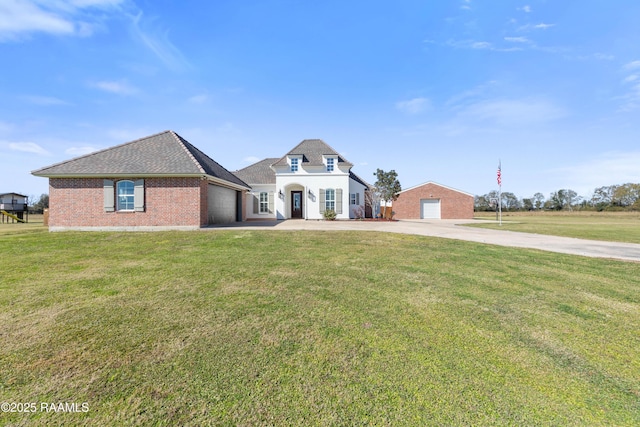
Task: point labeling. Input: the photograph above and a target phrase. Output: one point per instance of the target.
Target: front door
(296, 204)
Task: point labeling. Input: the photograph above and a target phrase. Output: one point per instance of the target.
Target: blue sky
(437, 90)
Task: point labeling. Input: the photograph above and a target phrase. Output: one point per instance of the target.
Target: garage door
(430, 209)
(222, 207)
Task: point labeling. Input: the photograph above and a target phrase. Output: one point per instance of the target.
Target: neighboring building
(14, 206)
(157, 182)
(433, 201)
(304, 183)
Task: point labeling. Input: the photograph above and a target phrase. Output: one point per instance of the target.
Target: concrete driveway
(450, 229)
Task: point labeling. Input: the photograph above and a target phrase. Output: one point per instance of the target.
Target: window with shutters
(125, 195)
(330, 199)
(264, 202)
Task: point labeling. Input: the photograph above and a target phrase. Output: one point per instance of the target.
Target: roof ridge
(439, 185)
(181, 141)
(186, 144)
(308, 140)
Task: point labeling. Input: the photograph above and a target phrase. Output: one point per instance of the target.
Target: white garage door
(430, 209)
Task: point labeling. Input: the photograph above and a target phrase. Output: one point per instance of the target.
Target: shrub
(329, 215)
(358, 212)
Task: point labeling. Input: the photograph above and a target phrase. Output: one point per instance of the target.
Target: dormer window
(330, 161)
(294, 165)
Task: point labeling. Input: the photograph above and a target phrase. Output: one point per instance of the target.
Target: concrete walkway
(450, 229)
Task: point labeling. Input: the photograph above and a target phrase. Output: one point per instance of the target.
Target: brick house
(433, 201)
(157, 182)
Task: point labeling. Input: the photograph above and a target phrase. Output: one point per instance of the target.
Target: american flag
(499, 173)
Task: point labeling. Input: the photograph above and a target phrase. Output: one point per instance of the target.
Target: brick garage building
(433, 201)
(157, 182)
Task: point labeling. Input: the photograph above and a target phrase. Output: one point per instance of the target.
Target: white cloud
(117, 87)
(95, 3)
(632, 65)
(18, 17)
(589, 57)
(631, 99)
(479, 45)
(526, 9)
(199, 99)
(157, 41)
(517, 39)
(80, 151)
(28, 147)
(44, 100)
(512, 112)
(543, 26)
(251, 159)
(413, 106)
(476, 92)
(56, 17)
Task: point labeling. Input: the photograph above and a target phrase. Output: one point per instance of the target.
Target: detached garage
(433, 201)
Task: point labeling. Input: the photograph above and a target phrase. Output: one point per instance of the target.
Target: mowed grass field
(608, 226)
(247, 327)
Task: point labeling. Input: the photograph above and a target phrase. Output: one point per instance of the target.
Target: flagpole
(500, 203)
(500, 191)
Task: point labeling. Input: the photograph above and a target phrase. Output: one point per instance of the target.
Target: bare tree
(373, 198)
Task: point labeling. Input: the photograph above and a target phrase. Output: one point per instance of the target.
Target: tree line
(38, 204)
(623, 197)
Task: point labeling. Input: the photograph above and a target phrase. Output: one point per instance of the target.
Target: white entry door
(430, 208)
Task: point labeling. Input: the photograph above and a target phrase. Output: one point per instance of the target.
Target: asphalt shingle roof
(312, 151)
(164, 154)
(258, 173)
(356, 178)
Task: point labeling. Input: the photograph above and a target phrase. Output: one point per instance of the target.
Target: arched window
(125, 194)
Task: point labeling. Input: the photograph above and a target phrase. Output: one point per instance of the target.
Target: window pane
(264, 202)
(124, 189)
(330, 199)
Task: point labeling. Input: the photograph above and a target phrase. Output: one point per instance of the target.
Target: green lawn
(246, 327)
(609, 226)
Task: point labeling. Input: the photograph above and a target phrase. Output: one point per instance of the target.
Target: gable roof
(258, 173)
(162, 154)
(12, 194)
(312, 152)
(439, 185)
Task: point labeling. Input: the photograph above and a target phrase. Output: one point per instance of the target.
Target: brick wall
(169, 202)
(453, 204)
